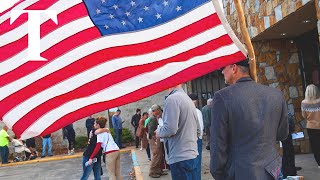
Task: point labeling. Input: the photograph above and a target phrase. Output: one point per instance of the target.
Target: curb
(57, 158)
(136, 165)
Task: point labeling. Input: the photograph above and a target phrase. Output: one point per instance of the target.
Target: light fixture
(283, 34)
(291, 41)
(306, 21)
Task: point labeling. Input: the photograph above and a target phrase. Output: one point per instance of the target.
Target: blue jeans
(118, 133)
(96, 167)
(198, 159)
(185, 170)
(4, 152)
(45, 142)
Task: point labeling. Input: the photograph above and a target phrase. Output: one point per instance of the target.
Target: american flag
(103, 54)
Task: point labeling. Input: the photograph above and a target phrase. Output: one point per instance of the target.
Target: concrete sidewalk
(310, 170)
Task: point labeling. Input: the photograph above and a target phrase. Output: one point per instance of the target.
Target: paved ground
(69, 169)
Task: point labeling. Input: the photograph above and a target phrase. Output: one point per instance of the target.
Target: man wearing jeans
(4, 141)
(46, 140)
(180, 131)
(117, 126)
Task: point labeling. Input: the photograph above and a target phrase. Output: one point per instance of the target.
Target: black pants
(137, 138)
(314, 138)
(71, 142)
(288, 162)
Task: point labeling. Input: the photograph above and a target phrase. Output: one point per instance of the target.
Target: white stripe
(20, 6)
(109, 67)
(104, 42)
(125, 87)
(47, 42)
(22, 30)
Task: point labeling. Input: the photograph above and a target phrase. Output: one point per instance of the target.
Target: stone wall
(278, 67)
(260, 14)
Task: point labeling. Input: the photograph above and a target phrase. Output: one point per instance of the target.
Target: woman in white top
(110, 148)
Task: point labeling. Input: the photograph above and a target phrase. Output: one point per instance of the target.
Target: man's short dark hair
(138, 110)
(145, 113)
(101, 121)
(118, 110)
(244, 69)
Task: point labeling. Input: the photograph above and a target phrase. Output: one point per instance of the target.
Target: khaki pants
(155, 166)
(113, 165)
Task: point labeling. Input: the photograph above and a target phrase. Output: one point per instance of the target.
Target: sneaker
(319, 167)
(208, 148)
(50, 155)
(69, 152)
(41, 157)
(154, 175)
(149, 159)
(163, 173)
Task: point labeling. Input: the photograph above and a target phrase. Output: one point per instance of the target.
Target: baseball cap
(193, 96)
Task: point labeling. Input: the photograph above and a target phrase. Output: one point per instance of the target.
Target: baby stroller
(21, 152)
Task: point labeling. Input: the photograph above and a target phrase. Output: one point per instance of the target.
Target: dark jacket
(247, 121)
(152, 126)
(90, 147)
(135, 120)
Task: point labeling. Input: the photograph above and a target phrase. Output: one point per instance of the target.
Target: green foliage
(126, 135)
(81, 142)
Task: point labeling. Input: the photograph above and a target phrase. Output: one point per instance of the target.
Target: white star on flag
(158, 16)
(178, 8)
(133, 3)
(103, 1)
(106, 26)
(115, 6)
(123, 22)
(165, 3)
(111, 16)
(127, 13)
(140, 19)
(146, 8)
(98, 11)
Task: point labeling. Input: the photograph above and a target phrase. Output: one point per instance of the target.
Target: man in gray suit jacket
(247, 120)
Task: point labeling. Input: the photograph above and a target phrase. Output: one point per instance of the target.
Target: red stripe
(97, 58)
(40, 5)
(114, 78)
(65, 17)
(183, 76)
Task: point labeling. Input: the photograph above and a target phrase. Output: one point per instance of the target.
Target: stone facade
(260, 14)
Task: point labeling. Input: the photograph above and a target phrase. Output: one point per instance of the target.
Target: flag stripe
(118, 90)
(144, 92)
(22, 26)
(41, 103)
(108, 67)
(64, 18)
(99, 44)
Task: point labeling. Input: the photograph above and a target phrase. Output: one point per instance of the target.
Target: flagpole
(244, 32)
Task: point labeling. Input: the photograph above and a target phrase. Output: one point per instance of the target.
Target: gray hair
(244, 69)
(312, 92)
(209, 101)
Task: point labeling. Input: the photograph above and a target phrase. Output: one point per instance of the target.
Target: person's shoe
(154, 175)
(50, 155)
(41, 157)
(149, 159)
(72, 151)
(208, 148)
(141, 149)
(298, 168)
(319, 167)
(69, 152)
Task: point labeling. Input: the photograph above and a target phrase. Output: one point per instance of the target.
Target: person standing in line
(310, 108)
(180, 131)
(206, 112)
(46, 140)
(71, 136)
(142, 134)
(4, 142)
(117, 126)
(135, 123)
(247, 120)
(194, 99)
(89, 125)
(110, 148)
(154, 142)
(96, 167)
